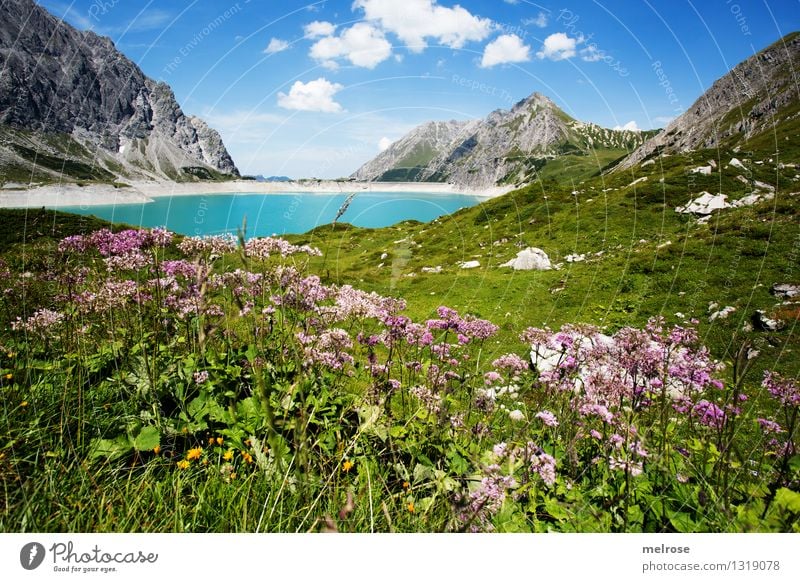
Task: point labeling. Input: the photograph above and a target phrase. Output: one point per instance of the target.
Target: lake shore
(142, 192)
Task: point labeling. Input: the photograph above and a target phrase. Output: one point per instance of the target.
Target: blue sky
(316, 89)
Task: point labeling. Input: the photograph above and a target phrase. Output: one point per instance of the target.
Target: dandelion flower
(248, 458)
(406, 484)
(183, 464)
(410, 507)
(227, 456)
(194, 453)
(347, 465)
(157, 449)
(9, 376)
(220, 440)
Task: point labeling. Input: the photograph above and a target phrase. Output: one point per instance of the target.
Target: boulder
(470, 264)
(785, 290)
(704, 204)
(530, 259)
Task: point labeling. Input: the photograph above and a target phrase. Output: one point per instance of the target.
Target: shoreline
(60, 195)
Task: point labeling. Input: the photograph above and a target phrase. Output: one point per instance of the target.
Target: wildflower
(709, 414)
(9, 376)
(23, 404)
(548, 418)
(227, 456)
(410, 507)
(220, 440)
(516, 415)
(157, 449)
(511, 362)
(200, 377)
(769, 426)
(194, 453)
(785, 391)
(406, 484)
(248, 458)
(183, 464)
(347, 465)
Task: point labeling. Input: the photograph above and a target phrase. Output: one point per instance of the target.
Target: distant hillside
(73, 107)
(534, 139)
(758, 97)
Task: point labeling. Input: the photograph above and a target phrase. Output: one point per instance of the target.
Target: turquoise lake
(269, 214)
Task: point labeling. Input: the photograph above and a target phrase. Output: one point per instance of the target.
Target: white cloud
(507, 48)
(540, 20)
(362, 44)
(319, 28)
(312, 96)
(592, 54)
(414, 21)
(558, 46)
(384, 144)
(630, 126)
(276, 45)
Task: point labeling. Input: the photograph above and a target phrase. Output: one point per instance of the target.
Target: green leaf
(682, 522)
(110, 448)
(555, 509)
(788, 499)
(147, 439)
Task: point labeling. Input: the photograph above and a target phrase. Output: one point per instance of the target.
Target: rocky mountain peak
(72, 95)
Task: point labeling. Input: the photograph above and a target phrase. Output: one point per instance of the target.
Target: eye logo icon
(31, 555)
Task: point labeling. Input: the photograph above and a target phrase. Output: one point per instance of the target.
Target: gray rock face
(747, 101)
(504, 147)
(56, 80)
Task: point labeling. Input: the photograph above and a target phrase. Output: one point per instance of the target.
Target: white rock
(764, 186)
(785, 290)
(638, 181)
(384, 255)
(436, 269)
(575, 258)
(736, 164)
(648, 163)
(706, 203)
(530, 259)
(469, 264)
(706, 170)
(712, 163)
(722, 313)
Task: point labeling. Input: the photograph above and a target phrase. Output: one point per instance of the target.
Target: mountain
(757, 97)
(535, 138)
(73, 107)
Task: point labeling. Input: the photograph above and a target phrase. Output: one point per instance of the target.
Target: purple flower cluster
(784, 390)
(476, 511)
(211, 246)
(263, 248)
(41, 322)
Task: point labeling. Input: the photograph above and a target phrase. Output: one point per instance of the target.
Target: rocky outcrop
(506, 147)
(530, 259)
(752, 98)
(71, 94)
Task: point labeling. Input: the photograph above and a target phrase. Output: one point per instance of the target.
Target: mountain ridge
(68, 95)
(506, 147)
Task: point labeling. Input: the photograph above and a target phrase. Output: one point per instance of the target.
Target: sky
(317, 89)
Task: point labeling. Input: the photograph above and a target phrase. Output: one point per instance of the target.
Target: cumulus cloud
(540, 21)
(630, 126)
(276, 45)
(507, 48)
(362, 44)
(558, 46)
(312, 96)
(414, 21)
(592, 54)
(319, 28)
(384, 144)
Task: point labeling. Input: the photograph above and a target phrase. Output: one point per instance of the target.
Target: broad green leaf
(147, 439)
(788, 499)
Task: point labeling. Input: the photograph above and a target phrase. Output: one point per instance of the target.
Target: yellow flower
(248, 458)
(227, 456)
(183, 464)
(220, 440)
(210, 441)
(406, 484)
(205, 462)
(23, 404)
(194, 453)
(157, 449)
(410, 507)
(347, 465)
(9, 376)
